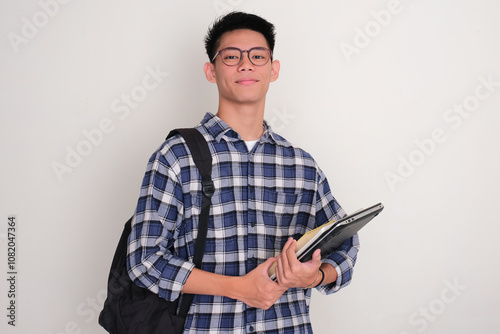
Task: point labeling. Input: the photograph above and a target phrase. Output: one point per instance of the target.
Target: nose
(246, 64)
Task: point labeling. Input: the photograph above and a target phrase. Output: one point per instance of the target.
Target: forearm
(255, 289)
(330, 273)
(202, 282)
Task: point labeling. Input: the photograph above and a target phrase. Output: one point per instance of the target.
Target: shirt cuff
(344, 274)
(174, 285)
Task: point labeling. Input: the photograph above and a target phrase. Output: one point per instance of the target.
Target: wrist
(234, 287)
(318, 281)
(313, 284)
(330, 273)
(322, 277)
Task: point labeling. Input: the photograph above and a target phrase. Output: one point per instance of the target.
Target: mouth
(246, 81)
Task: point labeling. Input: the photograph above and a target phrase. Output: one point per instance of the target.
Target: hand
(257, 289)
(291, 273)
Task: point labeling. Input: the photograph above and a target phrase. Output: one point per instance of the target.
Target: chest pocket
(279, 208)
(280, 215)
(280, 203)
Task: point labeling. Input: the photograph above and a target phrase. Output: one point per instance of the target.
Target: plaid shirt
(262, 197)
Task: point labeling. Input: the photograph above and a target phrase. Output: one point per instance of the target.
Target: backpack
(130, 309)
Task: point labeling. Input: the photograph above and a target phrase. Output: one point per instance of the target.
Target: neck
(247, 120)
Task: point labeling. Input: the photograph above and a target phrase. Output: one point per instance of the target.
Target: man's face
(244, 83)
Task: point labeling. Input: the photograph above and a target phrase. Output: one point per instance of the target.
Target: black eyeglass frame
(241, 55)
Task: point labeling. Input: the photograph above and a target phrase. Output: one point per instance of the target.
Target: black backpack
(130, 309)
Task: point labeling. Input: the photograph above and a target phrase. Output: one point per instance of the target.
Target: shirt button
(251, 329)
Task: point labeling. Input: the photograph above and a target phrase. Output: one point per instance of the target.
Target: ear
(209, 70)
(275, 70)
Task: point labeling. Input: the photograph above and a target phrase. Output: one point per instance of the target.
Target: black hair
(234, 21)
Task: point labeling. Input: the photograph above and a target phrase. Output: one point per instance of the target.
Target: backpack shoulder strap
(199, 149)
(202, 157)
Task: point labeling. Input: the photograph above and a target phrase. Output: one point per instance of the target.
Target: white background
(371, 89)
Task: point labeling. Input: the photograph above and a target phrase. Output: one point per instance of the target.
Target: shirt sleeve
(344, 258)
(159, 212)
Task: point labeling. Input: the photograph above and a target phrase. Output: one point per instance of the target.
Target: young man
(268, 193)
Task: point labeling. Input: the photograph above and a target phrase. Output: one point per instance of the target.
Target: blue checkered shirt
(262, 197)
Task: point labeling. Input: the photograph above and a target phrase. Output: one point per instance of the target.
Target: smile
(246, 81)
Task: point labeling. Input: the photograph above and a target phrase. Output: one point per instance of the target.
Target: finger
(291, 252)
(287, 244)
(279, 271)
(317, 256)
(269, 262)
(315, 261)
(284, 256)
(293, 262)
(285, 247)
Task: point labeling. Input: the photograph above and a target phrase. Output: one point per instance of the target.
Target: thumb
(269, 266)
(316, 257)
(269, 262)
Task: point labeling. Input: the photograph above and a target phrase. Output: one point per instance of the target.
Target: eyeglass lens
(258, 56)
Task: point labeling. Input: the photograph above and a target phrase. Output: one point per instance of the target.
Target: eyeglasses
(258, 56)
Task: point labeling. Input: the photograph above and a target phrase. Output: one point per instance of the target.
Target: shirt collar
(220, 129)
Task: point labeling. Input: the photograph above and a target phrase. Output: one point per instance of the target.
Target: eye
(260, 55)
